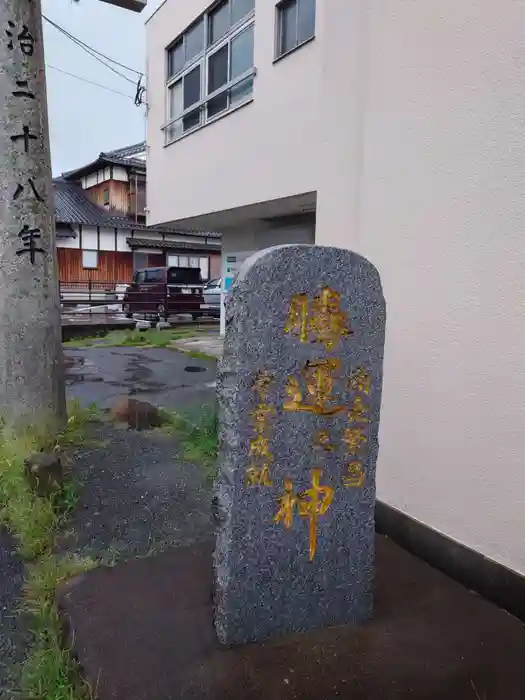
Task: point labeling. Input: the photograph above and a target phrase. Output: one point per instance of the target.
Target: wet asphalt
(167, 378)
(137, 493)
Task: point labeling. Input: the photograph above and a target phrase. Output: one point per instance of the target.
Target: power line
(94, 53)
(85, 80)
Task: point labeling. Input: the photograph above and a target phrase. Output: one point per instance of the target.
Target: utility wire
(85, 80)
(94, 53)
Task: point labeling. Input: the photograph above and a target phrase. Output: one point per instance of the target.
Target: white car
(212, 298)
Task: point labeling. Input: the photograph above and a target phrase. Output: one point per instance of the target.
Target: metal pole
(31, 356)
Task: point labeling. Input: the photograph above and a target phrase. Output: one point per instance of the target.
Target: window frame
(89, 267)
(172, 132)
(279, 14)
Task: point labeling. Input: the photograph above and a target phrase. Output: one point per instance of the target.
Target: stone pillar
(31, 356)
(299, 389)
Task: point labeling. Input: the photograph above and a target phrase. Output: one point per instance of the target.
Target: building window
(295, 24)
(90, 259)
(105, 196)
(210, 67)
(191, 261)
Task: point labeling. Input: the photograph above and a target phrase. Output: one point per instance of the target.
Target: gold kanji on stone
(360, 381)
(355, 476)
(258, 476)
(322, 441)
(355, 438)
(358, 412)
(311, 504)
(317, 376)
(320, 320)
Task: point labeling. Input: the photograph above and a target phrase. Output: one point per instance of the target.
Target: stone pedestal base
(144, 629)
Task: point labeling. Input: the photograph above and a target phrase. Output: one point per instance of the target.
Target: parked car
(212, 298)
(160, 292)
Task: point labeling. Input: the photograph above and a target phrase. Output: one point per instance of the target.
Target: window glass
(240, 8)
(288, 28)
(194, 40)
(194, 262)
(183, 261)
(242, 52)
(192, 87)
(177, 275)
(217, 77)
(141, 277)
(306, 20)
(173, 260)
(90, 259)
(153, 275)
(219, 22)
(241, 61)
(204, 267)
(218, 69)
(192, 120)
(176, 105)
(175, 58)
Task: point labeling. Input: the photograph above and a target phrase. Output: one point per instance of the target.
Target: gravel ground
(12, 631)
(137, 496)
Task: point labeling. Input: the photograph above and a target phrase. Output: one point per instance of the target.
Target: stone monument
(299, 394)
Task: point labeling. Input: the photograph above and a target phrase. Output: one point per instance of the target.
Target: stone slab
(299, 389)
(143, 630)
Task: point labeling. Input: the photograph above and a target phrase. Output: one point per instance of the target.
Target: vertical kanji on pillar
(31, 357)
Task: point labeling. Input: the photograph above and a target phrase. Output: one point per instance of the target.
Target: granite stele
(300, 393)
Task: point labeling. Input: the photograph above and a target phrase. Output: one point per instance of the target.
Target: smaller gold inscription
(358, 412)
(322, 441)
(355, 439)
(360, 381)
(355, 477)
(258, 471)
(258, 476)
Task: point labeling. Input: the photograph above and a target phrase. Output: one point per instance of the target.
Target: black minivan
(164, 291)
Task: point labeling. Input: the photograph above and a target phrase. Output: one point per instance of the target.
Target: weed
(197, 433)
(134, 338)
(198, 355)
(49, 670)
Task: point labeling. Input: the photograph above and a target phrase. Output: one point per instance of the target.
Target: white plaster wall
(107, 239)
(120, 174)
(263, 151)
(441, 212)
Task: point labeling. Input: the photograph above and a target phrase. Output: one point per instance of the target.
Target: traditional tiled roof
(185, 245)
(127, 151)
(120, 156)
(73, 206)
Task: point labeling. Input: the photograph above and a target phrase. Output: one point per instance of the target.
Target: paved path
(12, 630)
(138, 495)
(161, 376)
(210, 345)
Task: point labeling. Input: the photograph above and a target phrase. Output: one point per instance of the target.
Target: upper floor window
(295, 24)
(210, 67)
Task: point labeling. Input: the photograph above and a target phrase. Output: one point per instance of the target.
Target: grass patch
(197, 434)
(198, 355)
(49, 672)
(133, 338)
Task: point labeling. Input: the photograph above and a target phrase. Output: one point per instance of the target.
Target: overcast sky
(85, 120)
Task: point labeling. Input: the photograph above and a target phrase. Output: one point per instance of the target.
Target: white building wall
(407, 118)
(247, 145)
(439, 208)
